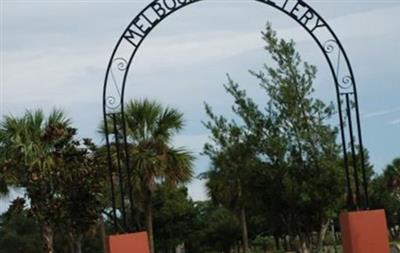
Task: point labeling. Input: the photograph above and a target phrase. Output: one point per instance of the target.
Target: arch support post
(364, 231)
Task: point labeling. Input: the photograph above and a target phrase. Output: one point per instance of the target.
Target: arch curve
(322, 34)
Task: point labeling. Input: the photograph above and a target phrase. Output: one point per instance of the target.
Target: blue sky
(54, 53)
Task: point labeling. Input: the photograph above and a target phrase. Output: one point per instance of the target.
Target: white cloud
(13, 194)
(393, 122)
(371, 23)
(169, 51)
(381, 113)
(195, 142)
(52, 74)
(197, 190)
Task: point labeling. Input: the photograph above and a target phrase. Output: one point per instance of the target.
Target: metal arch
(337, 59)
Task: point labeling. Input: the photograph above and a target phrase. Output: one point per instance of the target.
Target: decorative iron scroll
(337, 59)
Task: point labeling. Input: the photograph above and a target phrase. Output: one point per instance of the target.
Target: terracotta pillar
(364, 232)
(129, 243)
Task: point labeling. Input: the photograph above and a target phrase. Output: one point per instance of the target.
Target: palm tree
(28, 148)
(9, 126)
(150, 129)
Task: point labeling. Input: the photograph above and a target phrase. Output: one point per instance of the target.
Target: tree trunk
(71, 246)
(103, 234)
(335, 239)
(285, 243)
(243, 223)
(138, 220)
(277, 243)
(321, 236)
(304, 248)
(78, 244)
(47, 234)
(149, 224)
(75, 243)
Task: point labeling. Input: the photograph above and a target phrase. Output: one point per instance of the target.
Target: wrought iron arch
(333, 50)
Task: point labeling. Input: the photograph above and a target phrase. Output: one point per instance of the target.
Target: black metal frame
(338, 61)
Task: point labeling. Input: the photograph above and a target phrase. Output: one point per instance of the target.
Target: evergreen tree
(290, 139)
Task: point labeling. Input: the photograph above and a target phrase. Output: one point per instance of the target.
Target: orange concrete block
(364, 232)
(129, 243)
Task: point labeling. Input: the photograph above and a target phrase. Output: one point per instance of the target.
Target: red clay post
(129, 243)
(364, 232)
